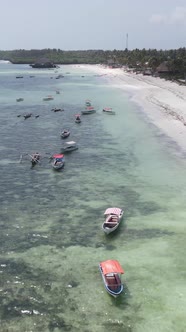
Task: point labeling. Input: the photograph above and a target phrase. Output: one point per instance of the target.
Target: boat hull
(66, 150)
(109, 112)
(88, 112)
(58, 166)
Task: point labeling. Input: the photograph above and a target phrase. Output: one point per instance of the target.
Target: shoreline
(164, 102)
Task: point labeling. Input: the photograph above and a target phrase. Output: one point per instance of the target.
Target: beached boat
(88, 110)
(65, 133)
(69, 146)
(108, 110)
(113, 217)
(78, 118)
(87, 103)
(58, 161)
(111, 271)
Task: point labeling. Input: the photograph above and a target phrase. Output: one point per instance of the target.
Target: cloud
(178, 15)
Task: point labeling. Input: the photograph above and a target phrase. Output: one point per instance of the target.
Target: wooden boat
(48, 98)
(111, 271)
(69, 146)
(88, 110)
(35, 158)
(108, 110)
(65, 133)
(26, 116)
(113, 217)
(58, 161)
(19, 99)
(57, 109)
(78, 118)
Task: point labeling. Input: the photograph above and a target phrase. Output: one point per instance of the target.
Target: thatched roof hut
(163, 68)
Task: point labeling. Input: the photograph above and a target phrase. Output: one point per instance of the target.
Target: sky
(92, 24)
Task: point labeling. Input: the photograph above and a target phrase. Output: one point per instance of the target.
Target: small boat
(35, 158)
(65, 133)
(48, 98)
(78, 118)
(88, 110)
(58, 161)
(57, 109)
(111, 271)
(19, 99)
(28, 115)
(59, 76)
(113, 217)
(87, 103)
(108, 110)
(69, 146)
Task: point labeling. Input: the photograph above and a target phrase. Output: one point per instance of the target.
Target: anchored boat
(69, 146)
(113, 217)
(58, 161)
(111, 271)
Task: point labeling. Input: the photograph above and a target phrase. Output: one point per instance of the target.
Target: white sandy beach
(163, 101)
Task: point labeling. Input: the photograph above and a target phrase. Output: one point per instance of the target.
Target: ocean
(51, 237)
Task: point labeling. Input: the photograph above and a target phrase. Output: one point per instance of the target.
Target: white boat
(113, 217)
(65, 133)
(69, 146)
(48, 98)
(111, 271)
(58, 161)
(108, 110)
(88, 110)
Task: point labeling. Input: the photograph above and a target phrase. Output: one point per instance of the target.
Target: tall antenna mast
(127, 37)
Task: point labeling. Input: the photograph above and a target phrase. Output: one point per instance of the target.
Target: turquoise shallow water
(51, 237)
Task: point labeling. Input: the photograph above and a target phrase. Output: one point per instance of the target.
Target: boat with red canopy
(58, 161)
(111, 271)
(113, 217)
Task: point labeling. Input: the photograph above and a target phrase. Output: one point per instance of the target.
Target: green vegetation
(175, 60)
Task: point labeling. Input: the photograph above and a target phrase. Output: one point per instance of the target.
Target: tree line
(175, 58)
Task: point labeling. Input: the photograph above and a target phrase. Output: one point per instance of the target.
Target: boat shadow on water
(122, 301)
